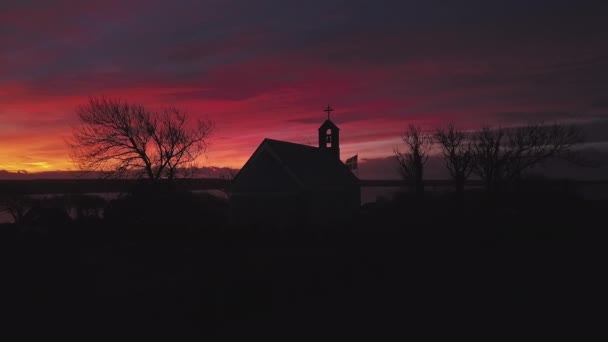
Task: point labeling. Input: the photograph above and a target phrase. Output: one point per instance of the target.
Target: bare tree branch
(501, 155)
(457, 154)
(489, 155)
(411, 162)
(124, 139)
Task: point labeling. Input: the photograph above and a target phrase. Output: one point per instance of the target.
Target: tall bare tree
(411, 163)
(489, 156)
(125, 139)
(457, 154)
(534, 144)
(504, 155)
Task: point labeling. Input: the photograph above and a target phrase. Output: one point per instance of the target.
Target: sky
(268, 69)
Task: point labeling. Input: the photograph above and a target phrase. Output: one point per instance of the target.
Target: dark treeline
(166, 261)
(500, 157)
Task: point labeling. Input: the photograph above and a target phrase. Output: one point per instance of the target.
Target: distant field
(370, 188)
(70, 186)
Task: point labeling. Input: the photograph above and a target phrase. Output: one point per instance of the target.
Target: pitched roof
(312, 167)
(327, 125)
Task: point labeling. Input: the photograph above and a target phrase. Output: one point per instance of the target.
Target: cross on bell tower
(329, 135)
(328, 110)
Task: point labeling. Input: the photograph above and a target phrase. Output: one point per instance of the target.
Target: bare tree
(489, 156)
(457, 154)
(535, 144)
(501, 155)
(411, 162)
(121, 138)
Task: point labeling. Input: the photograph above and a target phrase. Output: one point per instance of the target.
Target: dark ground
(402, 270)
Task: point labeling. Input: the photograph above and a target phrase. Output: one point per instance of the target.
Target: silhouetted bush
(44, 217)
(394, 257)
(85, 207)
(8, 232)
(159, 208)
(15, 204)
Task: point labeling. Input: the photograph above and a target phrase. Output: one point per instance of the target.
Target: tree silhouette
(16, 204)
(504, 155)
(534, 144)
(85, 207)
(411, 162)
(457, 155)
(489, 156)
(122, 138)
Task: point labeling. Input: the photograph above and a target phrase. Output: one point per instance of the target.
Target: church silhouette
(288, 184)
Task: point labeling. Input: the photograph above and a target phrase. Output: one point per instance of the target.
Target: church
(287, 184)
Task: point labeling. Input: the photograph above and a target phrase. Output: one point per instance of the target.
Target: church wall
(333, 205)
(268, 209)
(296, 208)
(264, 192)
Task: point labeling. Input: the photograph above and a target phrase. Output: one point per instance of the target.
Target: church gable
(264, 173)
(315, 168)
(280, 166)
(288, 183)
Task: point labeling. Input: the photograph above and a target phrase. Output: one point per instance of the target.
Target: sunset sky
(268, 68)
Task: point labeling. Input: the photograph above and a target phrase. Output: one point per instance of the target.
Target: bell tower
(329, 135)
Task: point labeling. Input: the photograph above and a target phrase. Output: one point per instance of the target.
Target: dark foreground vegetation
(525, 264)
